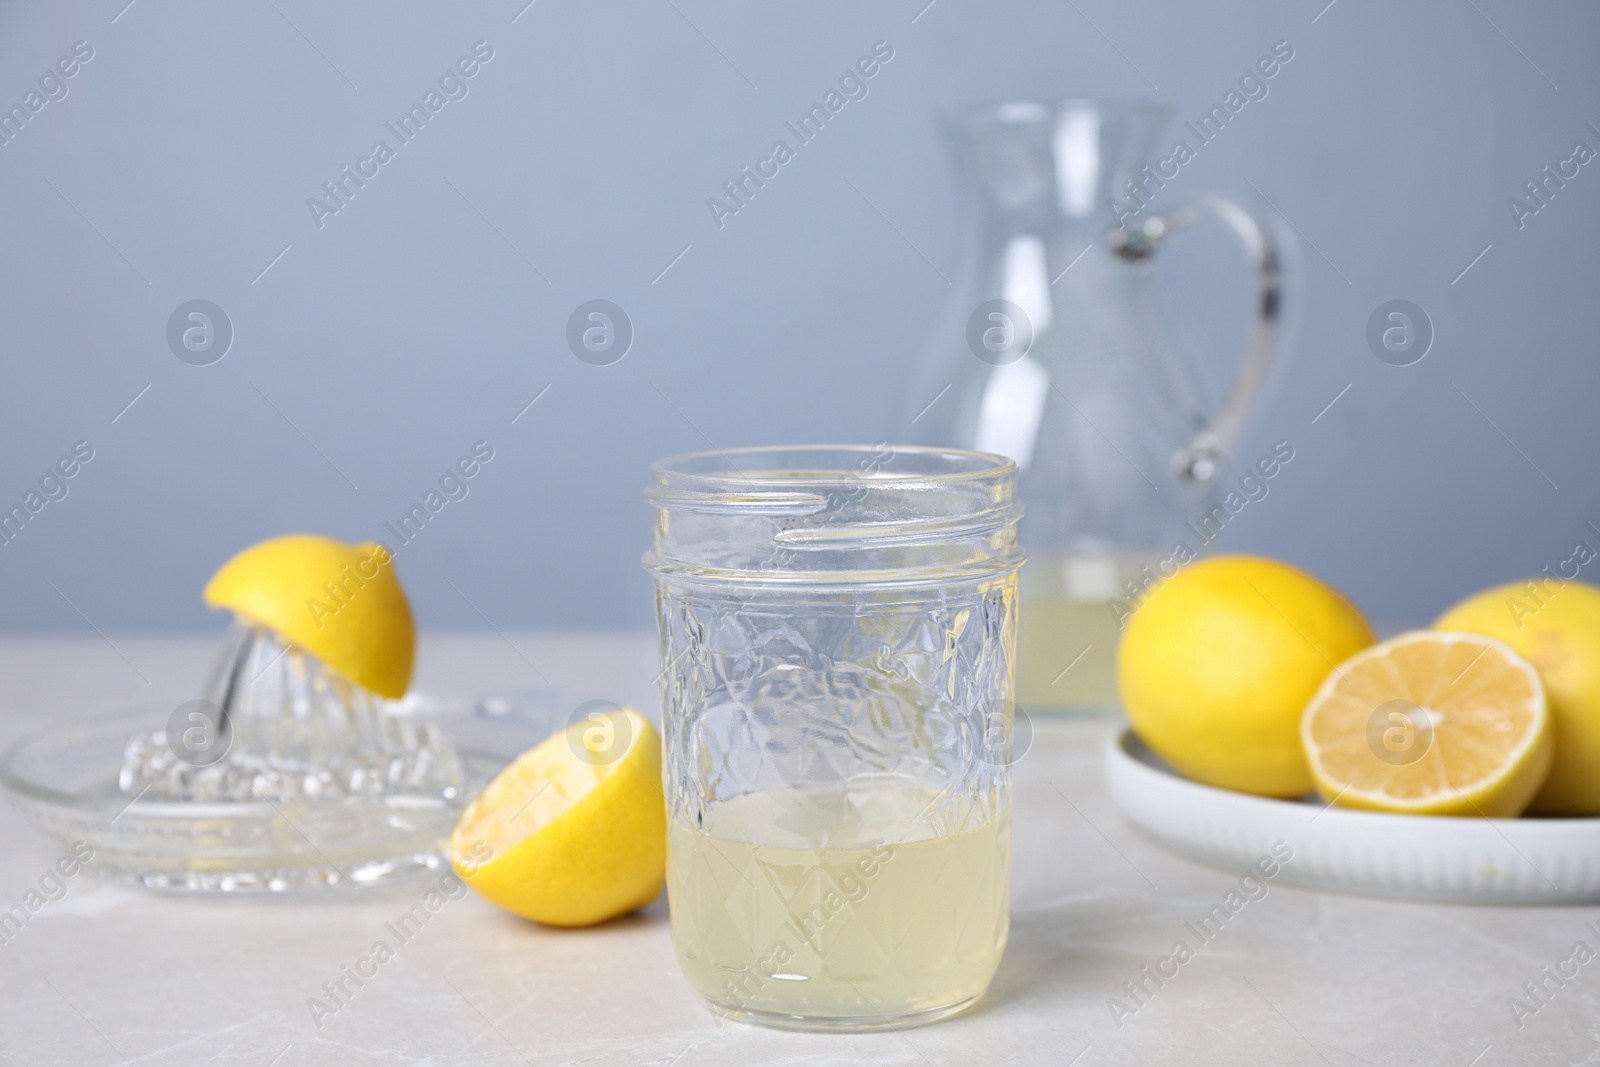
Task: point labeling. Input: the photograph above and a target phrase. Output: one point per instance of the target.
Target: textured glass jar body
(837, 631)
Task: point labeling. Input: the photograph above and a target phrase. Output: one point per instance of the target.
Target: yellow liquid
(1067, 631)
(902, 911)
(1066, 655)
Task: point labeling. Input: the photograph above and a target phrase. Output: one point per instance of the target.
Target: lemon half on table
(1431, 723)
(574, 831)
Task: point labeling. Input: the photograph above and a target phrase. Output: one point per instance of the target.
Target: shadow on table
(1065, 952)
(653, 914)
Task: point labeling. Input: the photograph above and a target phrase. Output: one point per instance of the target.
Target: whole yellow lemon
(1555, 625)
(1218, 662)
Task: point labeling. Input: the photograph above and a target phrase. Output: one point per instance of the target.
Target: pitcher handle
(1201, 457)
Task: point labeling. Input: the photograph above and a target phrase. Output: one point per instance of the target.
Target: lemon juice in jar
(875, 898)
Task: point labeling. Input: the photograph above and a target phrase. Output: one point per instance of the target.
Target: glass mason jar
(837, 633)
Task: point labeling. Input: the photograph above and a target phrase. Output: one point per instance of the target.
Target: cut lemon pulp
(1430, 723)
(574, 831)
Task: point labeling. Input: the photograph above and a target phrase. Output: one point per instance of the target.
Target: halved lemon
(340, 602)
(1430, 723)
(574, 831)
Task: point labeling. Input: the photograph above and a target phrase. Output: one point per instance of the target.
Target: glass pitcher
(1053, 354)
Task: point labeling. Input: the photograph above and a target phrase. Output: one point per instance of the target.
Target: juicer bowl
(64, 778)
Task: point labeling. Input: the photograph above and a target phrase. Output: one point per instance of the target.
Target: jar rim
(824, 515)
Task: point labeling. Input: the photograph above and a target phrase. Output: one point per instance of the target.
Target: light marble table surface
(109, 975)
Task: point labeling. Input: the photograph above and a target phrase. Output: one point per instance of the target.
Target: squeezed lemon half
(340, 602)
(574, 831)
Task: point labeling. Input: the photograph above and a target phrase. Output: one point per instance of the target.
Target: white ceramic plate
(1417, 857)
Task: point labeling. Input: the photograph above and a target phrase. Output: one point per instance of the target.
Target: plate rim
(1120, 752)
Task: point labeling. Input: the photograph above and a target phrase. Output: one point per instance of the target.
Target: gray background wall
(428, 312)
